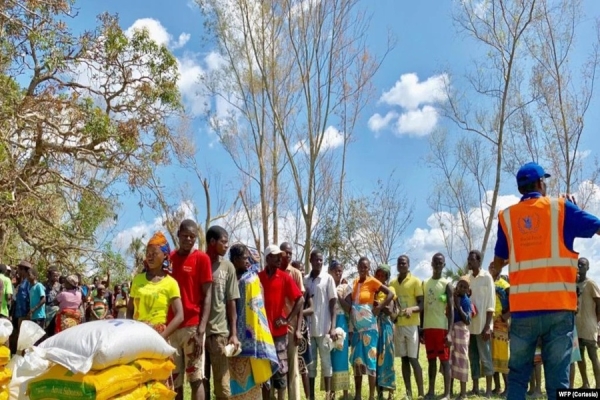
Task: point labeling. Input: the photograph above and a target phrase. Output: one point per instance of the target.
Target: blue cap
(530, 173)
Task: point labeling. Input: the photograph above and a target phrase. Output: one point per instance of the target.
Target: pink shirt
(69, 300)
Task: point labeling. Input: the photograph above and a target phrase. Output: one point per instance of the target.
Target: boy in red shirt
(277, 286)
(192, 271)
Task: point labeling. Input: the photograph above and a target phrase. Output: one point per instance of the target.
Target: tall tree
(137, 251)
(562, 96)
(294, 73)
(464, 168)
(372, 224)
(77, 112)
(500, 29)
(530, 106)
(174, 198)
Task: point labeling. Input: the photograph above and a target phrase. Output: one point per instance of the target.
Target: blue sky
(427, 45)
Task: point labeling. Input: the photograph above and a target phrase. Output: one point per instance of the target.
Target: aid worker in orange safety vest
(535, 238)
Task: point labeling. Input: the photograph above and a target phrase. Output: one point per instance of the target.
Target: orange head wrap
(159, 239)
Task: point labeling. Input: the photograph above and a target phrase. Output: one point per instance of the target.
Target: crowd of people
(56, 302)
(250, 328)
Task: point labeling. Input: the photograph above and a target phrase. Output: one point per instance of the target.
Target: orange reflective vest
(542, 271)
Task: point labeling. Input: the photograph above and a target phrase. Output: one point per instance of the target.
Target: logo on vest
(529, 224)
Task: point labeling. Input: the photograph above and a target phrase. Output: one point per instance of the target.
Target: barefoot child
(460, 336)
(535, 383)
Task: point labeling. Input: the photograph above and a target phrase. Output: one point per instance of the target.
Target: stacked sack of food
(101, 360)
(6, 329)
(5, 373)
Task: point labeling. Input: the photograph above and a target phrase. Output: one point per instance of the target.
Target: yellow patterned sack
(158, 391)
(5, 376)
(141, 392)
(4, 355)
(154, 370)
(59, 383)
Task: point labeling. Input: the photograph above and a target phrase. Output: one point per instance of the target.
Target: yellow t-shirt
(501, 283)
(151, 300)
(408, 291)
(381, 296)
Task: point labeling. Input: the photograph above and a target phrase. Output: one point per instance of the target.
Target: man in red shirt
(193, 272)
(277, 287)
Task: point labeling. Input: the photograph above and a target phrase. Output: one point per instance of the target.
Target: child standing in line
(535, 383)
(576, 354)
(37, 299)
(460, 336)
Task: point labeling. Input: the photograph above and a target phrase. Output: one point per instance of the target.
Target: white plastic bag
(29, 334)
(101, 344)
(24, 368)
(6, 329)
(339, 342)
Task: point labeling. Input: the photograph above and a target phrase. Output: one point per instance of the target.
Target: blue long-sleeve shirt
(577, 224)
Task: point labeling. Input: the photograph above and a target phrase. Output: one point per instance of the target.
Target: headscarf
(334, 264)
(385, 268)
(465, 278)
(73, 280)
(159, 239)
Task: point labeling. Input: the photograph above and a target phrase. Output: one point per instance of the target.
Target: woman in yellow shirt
(364, 317)
(153, 291)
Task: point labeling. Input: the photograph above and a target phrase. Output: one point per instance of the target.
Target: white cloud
(332, 139)
(424, 242)
(182, 41)
(158, 33)
(417, 101)
(303, 7)
(419, 122)
(478, 7)
(189, 65)
(409, 93)
(580, 155)
(214, 61)
(377, 122)
(146, 229)
(190, 72)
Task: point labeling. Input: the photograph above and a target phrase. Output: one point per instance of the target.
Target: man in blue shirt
(21, 301)
(554, 327)
(37, 299)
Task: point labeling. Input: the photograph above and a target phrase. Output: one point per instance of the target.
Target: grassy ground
(439, 387)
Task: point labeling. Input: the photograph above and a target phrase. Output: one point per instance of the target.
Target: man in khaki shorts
(409, 290)
(221, 329)
(192, 271)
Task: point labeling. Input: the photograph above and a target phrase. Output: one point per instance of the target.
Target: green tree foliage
(112, 261)
(78, 112)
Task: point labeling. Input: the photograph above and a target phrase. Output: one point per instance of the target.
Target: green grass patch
(439, 386)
